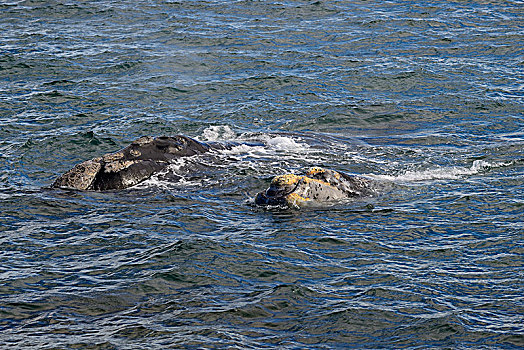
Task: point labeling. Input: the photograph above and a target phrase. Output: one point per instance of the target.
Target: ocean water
(426, 98)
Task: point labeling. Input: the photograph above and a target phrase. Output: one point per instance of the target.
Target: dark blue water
(426, 98)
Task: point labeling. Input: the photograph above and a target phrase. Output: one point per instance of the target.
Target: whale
(135, 163)
(316, 186)
(147, 156)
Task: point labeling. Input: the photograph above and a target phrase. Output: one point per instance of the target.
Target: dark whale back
(131, 165)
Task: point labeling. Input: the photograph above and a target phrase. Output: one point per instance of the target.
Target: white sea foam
(441, 173)
(248, 150)
(284, 143)
(218, 133)
(253, 144)
(157, 179)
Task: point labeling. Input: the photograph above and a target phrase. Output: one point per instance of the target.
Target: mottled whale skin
(317, 186)
(131, 165)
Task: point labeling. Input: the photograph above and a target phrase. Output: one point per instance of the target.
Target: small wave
(442, 173)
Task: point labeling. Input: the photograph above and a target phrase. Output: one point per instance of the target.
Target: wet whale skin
(131, 165)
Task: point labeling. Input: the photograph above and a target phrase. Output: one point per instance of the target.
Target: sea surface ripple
(425, 98)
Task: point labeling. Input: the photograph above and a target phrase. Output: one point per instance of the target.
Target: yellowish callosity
(144, 140)
(295, 198)
(288, 179)
(315, 170)
(118, 165)
(113, 157)
(306, 184)
(309, 180)
(135, 153)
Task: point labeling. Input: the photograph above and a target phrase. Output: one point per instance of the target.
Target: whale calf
(131, 165)
(318, 185)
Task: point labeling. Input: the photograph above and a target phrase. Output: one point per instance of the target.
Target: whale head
(318, 185)
(131, 165)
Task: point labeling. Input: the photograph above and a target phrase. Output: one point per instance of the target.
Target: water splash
(443, 173)
(284, 143)
(218, 133)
